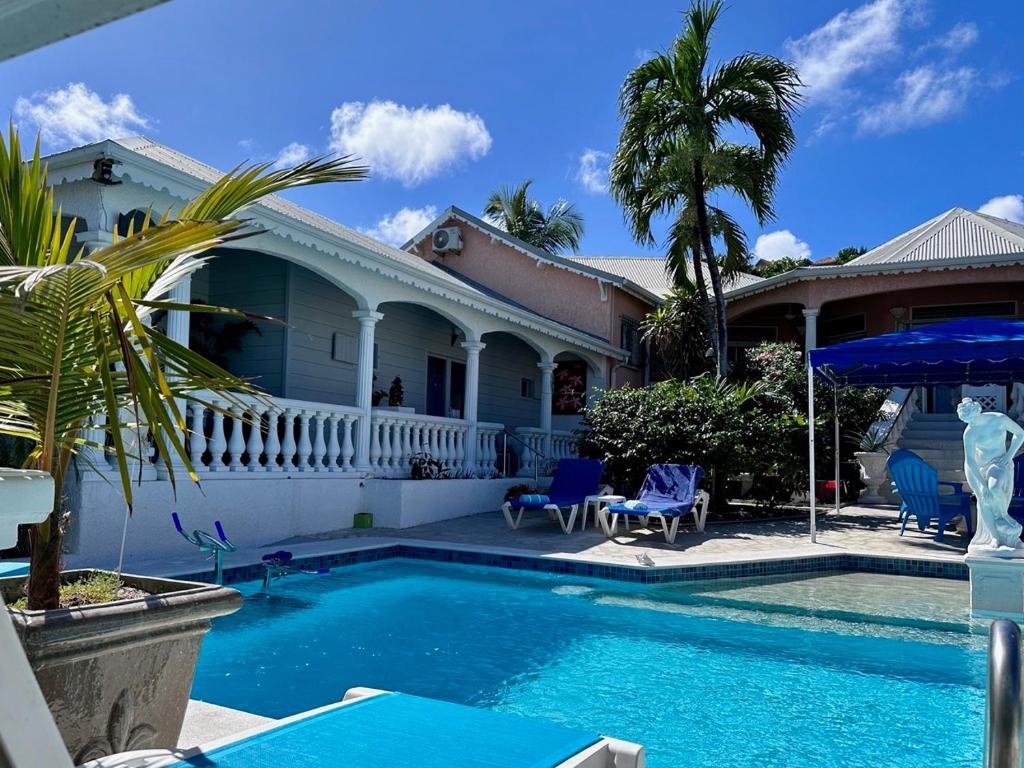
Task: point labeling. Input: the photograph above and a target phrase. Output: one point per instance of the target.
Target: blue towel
(636, 505)
(533, 498)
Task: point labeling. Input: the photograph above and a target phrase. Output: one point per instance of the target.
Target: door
(457, 393)
(437, 386)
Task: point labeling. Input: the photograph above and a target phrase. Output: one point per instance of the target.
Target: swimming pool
(731, 674)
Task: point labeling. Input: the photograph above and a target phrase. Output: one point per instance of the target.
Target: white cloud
(292, 154)
(77, 115)
(960, 36)
(399, 227)
(923, 96)
(1005, 207)
(780, 245)
(848, 43)
(593, 171)
(410, 145)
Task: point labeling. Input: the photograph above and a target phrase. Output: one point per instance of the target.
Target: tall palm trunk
(721, 342)
(702, 297)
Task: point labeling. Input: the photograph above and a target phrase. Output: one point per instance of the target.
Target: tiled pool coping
(823, 563)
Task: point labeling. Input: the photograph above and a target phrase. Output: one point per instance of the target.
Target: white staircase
(938, 439)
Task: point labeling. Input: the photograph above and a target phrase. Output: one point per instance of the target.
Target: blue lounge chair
(574, 480)
(669, 492)
(369, 729)
(917, 484)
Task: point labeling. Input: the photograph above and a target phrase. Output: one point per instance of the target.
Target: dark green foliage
(758, 426)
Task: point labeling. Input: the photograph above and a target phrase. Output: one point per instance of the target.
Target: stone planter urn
(117, 675)
(872, 472)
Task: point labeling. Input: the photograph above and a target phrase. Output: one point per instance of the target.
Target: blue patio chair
(917, 484)
(574, 480)
(669, 492)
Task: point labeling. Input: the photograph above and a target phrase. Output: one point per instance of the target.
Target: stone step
(950, 431)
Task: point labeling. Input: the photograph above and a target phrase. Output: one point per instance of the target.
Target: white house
(475, 366)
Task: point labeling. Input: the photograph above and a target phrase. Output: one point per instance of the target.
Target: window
(835, 329)
(940, 312)
(527, 388)
(629, 336)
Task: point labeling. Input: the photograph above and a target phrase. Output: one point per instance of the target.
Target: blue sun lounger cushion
(574, 480)
(400, 731)
(670, 491)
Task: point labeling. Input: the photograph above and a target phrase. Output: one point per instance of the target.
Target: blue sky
(913, 106)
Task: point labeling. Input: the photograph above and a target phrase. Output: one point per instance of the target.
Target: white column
(811, 328)
(364, 384)
(546, 374)
(177, 330)
(469, 409)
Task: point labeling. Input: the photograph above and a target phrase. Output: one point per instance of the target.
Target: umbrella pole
(835, 400)
(810, 444)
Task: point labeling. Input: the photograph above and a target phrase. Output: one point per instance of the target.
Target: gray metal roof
(956, 234)
(649, 272)
(29, 24)
(205, 174)
(956, 239)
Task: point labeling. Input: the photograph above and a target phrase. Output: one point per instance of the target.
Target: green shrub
(702, 421)
(756, 424)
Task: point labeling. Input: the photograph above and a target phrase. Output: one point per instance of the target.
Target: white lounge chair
(369, 728)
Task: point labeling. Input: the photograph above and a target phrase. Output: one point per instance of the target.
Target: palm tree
(678, 333)
(76, 341)
(671, 153)
(558, 229)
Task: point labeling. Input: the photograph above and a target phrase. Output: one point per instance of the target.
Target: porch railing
(270, 436)
(531, 451)
(251, 436)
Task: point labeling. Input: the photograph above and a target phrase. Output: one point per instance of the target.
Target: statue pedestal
(997, 587)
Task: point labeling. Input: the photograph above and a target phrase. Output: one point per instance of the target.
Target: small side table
(598, 503)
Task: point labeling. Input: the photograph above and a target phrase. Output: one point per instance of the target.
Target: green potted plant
(395, 395)
(77, 344)
(873, 457)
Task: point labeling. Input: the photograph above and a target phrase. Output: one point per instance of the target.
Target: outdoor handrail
(891, 423)
(1004, 705)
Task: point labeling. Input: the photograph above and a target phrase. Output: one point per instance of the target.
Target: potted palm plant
(77, 344)
(873, 456)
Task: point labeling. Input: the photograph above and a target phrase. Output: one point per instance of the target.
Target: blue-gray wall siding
(255, 283)
(298, 363)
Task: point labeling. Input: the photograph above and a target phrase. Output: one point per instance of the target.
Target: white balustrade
(244, 435)
(273, 435)
(531, 452)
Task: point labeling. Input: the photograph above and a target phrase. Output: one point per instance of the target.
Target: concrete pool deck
(869, 531)
(854, 530)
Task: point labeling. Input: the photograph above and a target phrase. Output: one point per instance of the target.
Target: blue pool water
(692, 682)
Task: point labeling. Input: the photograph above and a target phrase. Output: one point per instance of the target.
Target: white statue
(988, 464)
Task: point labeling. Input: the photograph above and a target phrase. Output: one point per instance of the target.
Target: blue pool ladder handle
(207, 543)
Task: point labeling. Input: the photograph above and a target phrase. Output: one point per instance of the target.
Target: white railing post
(319, 444)
(254, 446)
(197, 436)
(375, 453)
(304, 447)
(333, 446)
(347, 448)
(272, 445)
(396, 447)
(236, 444)
(218, 442)
(288, 442)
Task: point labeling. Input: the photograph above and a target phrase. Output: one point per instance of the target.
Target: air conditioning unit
(447, 240)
